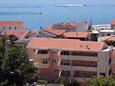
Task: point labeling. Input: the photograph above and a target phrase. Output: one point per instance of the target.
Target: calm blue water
(30, 13)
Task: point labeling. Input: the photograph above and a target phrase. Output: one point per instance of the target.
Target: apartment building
(113, 62)
(11, 25)
(70, 58)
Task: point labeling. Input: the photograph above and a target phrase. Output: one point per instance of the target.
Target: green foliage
(110, 42)
(100, 81)
(15, 67)
(66, 81)
(42, 82)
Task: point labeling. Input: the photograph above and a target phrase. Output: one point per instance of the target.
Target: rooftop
(70, 24)
(55, 32)
(76, 34)
(105, 38)
(113, 22)
(11, 23)
(66, 44)
(20, 34)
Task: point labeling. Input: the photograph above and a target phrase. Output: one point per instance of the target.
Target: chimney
(87, 47)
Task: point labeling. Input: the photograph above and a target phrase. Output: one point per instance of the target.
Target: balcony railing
(41, 65)
(85, 75)
(88, 58)
(80, 68)
(90, 65)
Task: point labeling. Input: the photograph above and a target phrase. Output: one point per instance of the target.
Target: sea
(39, 15)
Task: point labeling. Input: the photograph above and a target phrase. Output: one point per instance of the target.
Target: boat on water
(71, 5)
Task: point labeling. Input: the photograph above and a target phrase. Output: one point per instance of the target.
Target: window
(34, 50)
(65, 53)
(9, 28)
(102, 74)
(66, 62)
(3, 28)
(108, 34)
(73, 53)
(42, 52)
(65, 73)
(45, 61)
(53, 61)
(15, 28)
(94, 64)
(109, 61)
(53, 51)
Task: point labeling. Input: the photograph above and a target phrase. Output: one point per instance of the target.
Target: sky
(57, 1)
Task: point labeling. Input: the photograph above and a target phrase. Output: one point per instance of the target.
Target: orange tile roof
(68, 44)
(20, 33)
(76, 34)
(65, 24)
(55, 32)
(11, 23)
(105, 38)
(113, 22)
(49, 27)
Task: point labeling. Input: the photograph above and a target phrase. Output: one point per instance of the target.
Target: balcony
(41, 65)
(77, 55)
(83, 68)
(80, 68)
(42, 54)
(64, 67)
(83, 58)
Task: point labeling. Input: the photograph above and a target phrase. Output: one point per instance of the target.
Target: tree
(110, 42)
(66, 81)
(15, 67)
(100, 81)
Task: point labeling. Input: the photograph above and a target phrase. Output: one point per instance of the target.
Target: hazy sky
(58, 1)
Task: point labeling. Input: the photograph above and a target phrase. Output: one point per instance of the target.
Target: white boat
(71, 5)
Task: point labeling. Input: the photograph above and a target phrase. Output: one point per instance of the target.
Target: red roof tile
(105, 38)
(113, 22)
(11, 23)
(20, 33)
(65, 25)
(76, 34)
(62, 25)
(55, 32)
(68, 44)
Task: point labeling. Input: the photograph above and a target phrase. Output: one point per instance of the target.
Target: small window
(15, 28)
(102, 74)
(34, 50)
(53, 61)
(53, 51)
(66, 62)
(3, 28)
(65, 53)
(108, 34)
(9, 28)
(45, 61)
(42, 52)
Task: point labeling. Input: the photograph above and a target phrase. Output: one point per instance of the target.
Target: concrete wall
(82, 26)
(103, 62)
(12, 28)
